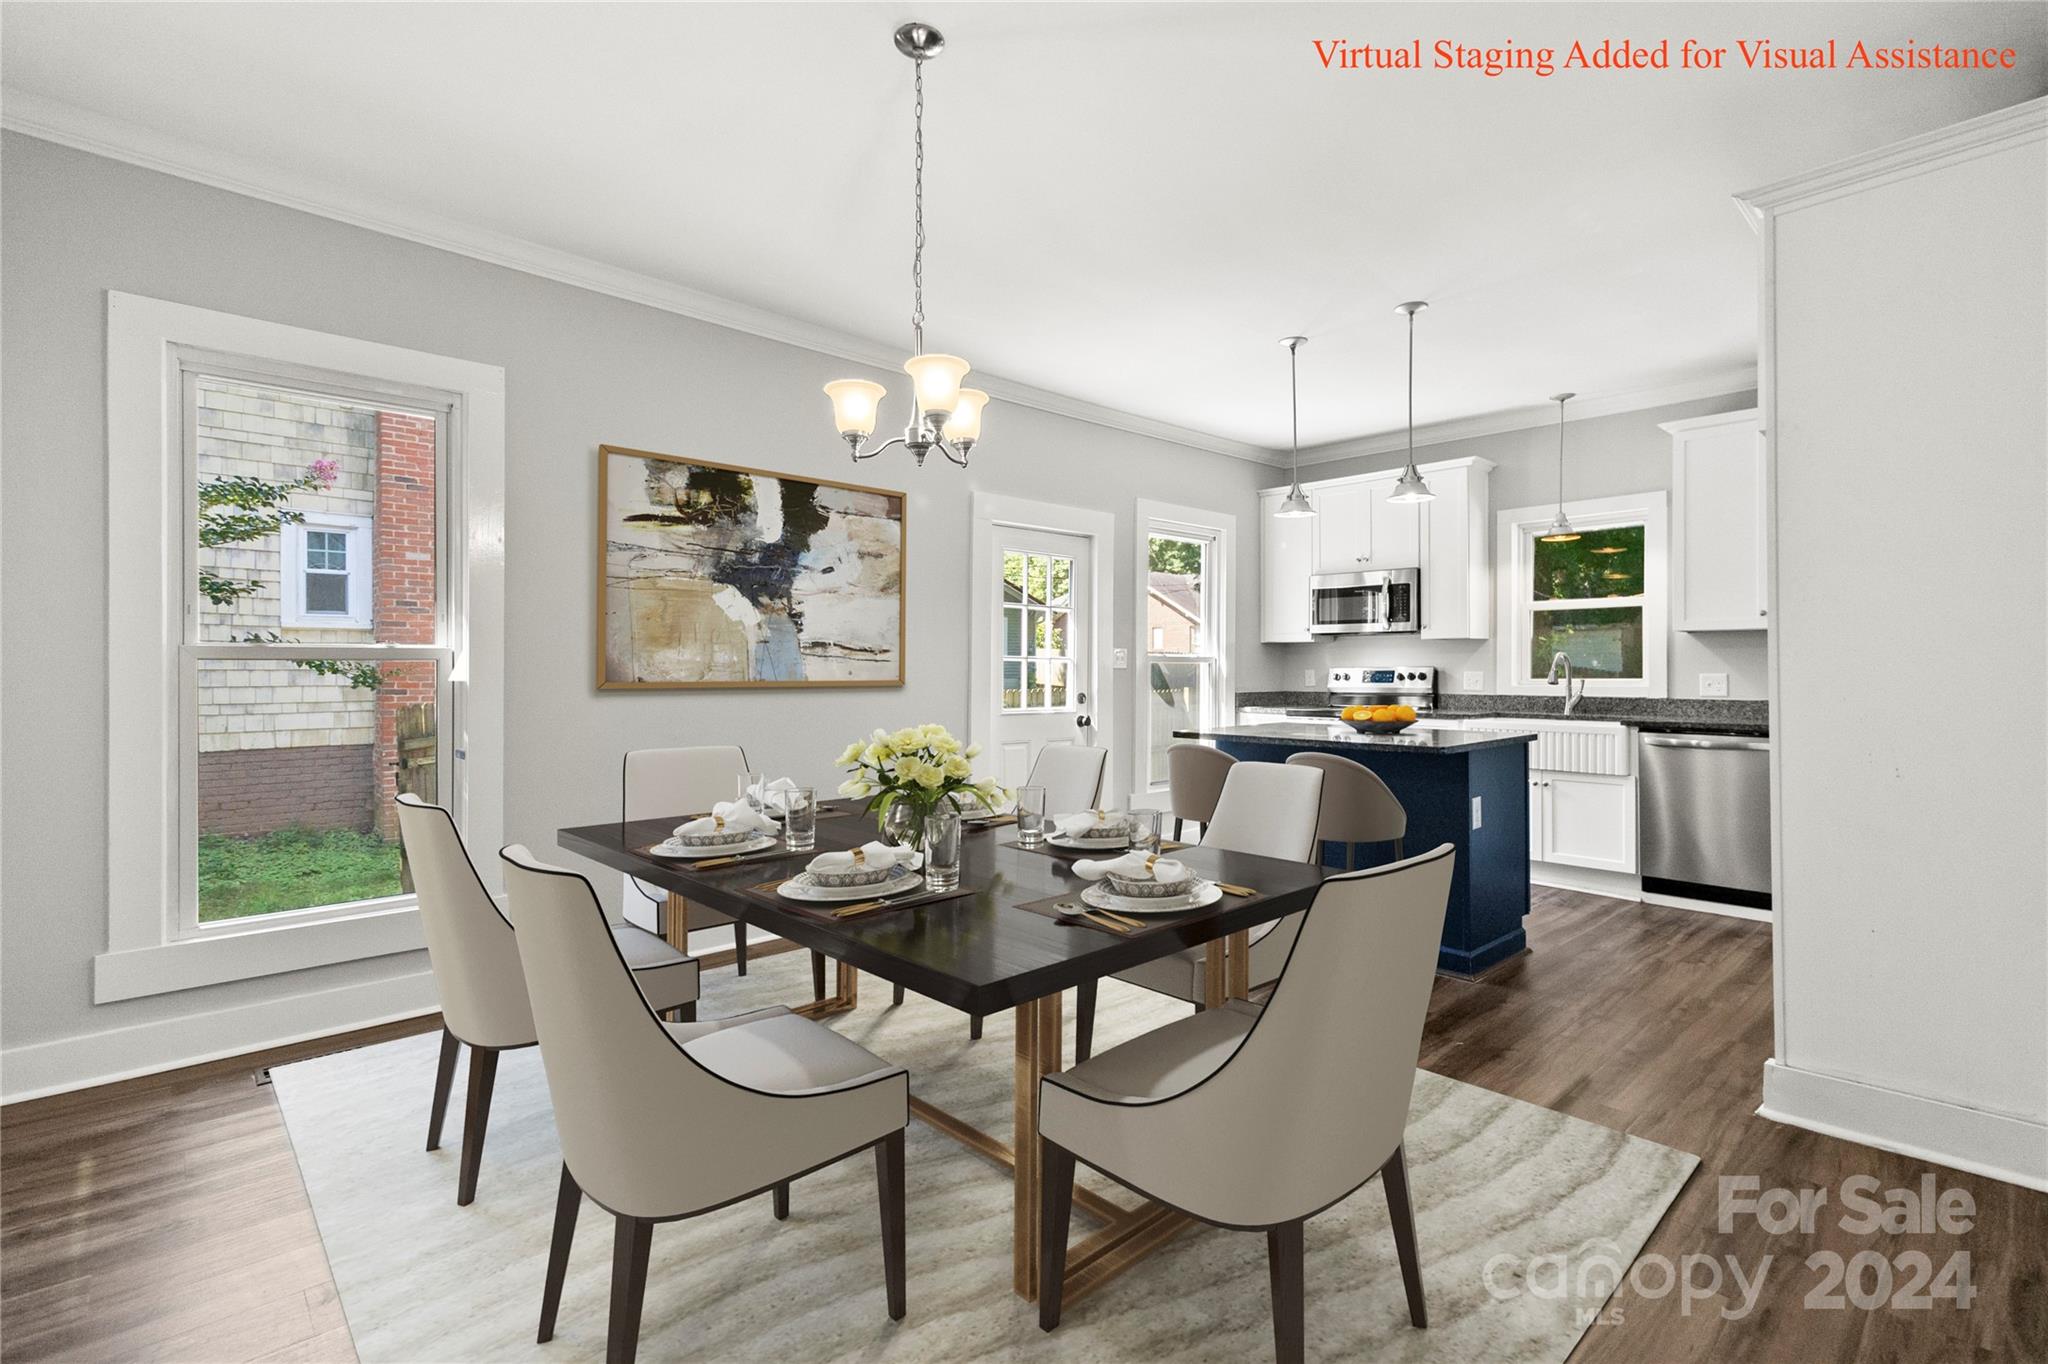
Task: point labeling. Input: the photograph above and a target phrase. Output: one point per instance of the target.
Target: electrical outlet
(1308, 677)
(1120, 658)
(1476, 821)
(1475, 681)
(1713, 684)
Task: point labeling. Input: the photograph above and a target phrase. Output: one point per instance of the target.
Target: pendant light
(1560, 531)
(1411, 487)
(943, 415)
(1296, 502)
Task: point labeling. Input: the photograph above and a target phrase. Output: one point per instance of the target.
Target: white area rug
(424, 1280)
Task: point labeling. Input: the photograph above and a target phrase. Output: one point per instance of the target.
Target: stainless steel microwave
(1387, 602)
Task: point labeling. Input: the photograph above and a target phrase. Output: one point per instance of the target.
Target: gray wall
(581, 369)
(1604, 457)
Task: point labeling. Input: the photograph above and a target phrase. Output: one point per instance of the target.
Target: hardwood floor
(163, 1219)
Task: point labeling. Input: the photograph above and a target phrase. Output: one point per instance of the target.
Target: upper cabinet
(1286, 544)
(1718, 575)
(1356, 529)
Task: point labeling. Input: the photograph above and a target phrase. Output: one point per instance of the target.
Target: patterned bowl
(1107, 828)
(859, 875)
(1379, 726)
(1148, 889)
(717, 838)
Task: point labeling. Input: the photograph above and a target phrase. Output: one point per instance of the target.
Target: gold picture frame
(692, 592)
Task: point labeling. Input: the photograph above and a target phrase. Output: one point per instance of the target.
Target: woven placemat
(823, 913)
(1166, 845)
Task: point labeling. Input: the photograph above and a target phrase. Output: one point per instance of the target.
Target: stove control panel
(1393, 679)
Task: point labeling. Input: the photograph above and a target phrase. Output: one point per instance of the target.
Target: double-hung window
(1183, 609)
(326, 632)
(1598, 599)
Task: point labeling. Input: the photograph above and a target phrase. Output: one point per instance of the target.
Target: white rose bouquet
(919, 766)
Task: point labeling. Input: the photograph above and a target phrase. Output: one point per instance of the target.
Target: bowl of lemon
(1378, 719)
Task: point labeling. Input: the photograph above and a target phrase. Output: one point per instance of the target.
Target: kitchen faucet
(1572, 691)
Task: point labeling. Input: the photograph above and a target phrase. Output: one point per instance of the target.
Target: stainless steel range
(1409, 686)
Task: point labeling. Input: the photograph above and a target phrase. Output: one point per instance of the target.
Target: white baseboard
(1992, 1144)
(1762, 916)
(1591, 880)
(68, 1063)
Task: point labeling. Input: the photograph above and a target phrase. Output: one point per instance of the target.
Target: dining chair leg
(739, 947)
(631, 1241)
(896, 996)
(1055, 1214)
(444, 1080)
(889, 1191)
(1084, 1021)
(483, 1073)
(567, 1202)
(1284, 1259)
(1178, 822)
(1394, 1175)
(1397, 850)
(817, 975)
(782, 1201)
(974, 1027)
(686, 1013)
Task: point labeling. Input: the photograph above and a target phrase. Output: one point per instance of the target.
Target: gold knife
(1126, 920)
(707, 863)
(864, 907)
(1240, 891)
(1102, 919)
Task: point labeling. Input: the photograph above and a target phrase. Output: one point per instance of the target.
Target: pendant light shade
(1560, 531)
(1411, 487)
(1296, 503)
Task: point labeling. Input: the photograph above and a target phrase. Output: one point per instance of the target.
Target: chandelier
(943, 415)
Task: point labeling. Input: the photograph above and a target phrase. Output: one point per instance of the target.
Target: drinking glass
(800, 819)
(942, 847)
(1030, 816)
(1144, 830)
(899, 823)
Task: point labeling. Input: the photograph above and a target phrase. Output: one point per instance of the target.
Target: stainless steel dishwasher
(1703, 809)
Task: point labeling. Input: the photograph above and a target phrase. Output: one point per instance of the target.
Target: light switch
(1120, 658)
(1475, 681)
(1308, 677)
(1476, 821)
(1713, 684)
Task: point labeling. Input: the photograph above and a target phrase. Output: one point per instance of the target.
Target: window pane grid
(1037, 648)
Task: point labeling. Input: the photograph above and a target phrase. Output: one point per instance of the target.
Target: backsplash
(1673, 709)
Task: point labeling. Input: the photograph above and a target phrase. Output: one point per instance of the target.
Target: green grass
(292, 869)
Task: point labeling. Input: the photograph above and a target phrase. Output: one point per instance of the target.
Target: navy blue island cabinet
(1470, 790)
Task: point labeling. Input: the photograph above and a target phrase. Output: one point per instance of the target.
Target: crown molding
(1582, 408)
(116, 139)
(1959, 142)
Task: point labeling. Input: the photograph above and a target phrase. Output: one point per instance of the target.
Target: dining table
(991, 948)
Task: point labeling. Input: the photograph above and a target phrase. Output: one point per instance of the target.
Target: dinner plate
(692, 852)
(1100, 896)
(1088, 844)
(801, 887)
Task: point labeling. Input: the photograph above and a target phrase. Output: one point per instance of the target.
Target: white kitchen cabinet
(1285, 543)
(1456, 552)
(1396, 529)
(1344, 525)
(1588, 821)
(1718, 573)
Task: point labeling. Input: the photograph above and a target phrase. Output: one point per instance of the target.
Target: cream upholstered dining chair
(476, 970)
(1357, 806)
(661, 1121)
(1194, 782)
(658, 782)
(1262, 1118)
(1269, 810)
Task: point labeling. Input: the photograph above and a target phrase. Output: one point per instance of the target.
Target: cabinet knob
(1763, 611)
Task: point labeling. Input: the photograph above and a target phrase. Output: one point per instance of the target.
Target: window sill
(215, 959)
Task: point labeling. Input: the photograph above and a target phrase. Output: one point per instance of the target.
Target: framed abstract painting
(711, 575)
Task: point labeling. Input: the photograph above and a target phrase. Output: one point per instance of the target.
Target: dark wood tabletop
(979, 953)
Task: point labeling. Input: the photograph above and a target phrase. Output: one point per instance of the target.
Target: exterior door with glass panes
(1041, 640)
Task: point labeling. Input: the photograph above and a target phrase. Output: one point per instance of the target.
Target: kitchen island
(1467, 789)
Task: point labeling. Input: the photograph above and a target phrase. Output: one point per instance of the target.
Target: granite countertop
(1657, 715)
(1314, 734)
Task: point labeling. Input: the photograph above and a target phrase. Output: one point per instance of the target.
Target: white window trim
(1515, 528)
(1170, 518)
(146, 629)
(292, 611)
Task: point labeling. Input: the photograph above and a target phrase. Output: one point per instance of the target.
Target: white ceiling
(1127, 204)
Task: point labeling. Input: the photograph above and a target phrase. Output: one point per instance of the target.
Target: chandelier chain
(917, 191)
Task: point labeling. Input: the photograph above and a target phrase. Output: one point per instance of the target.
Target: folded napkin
(1134, 866)
(771, 794)
(866, 855)
(1090, 824)
(729, 814)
